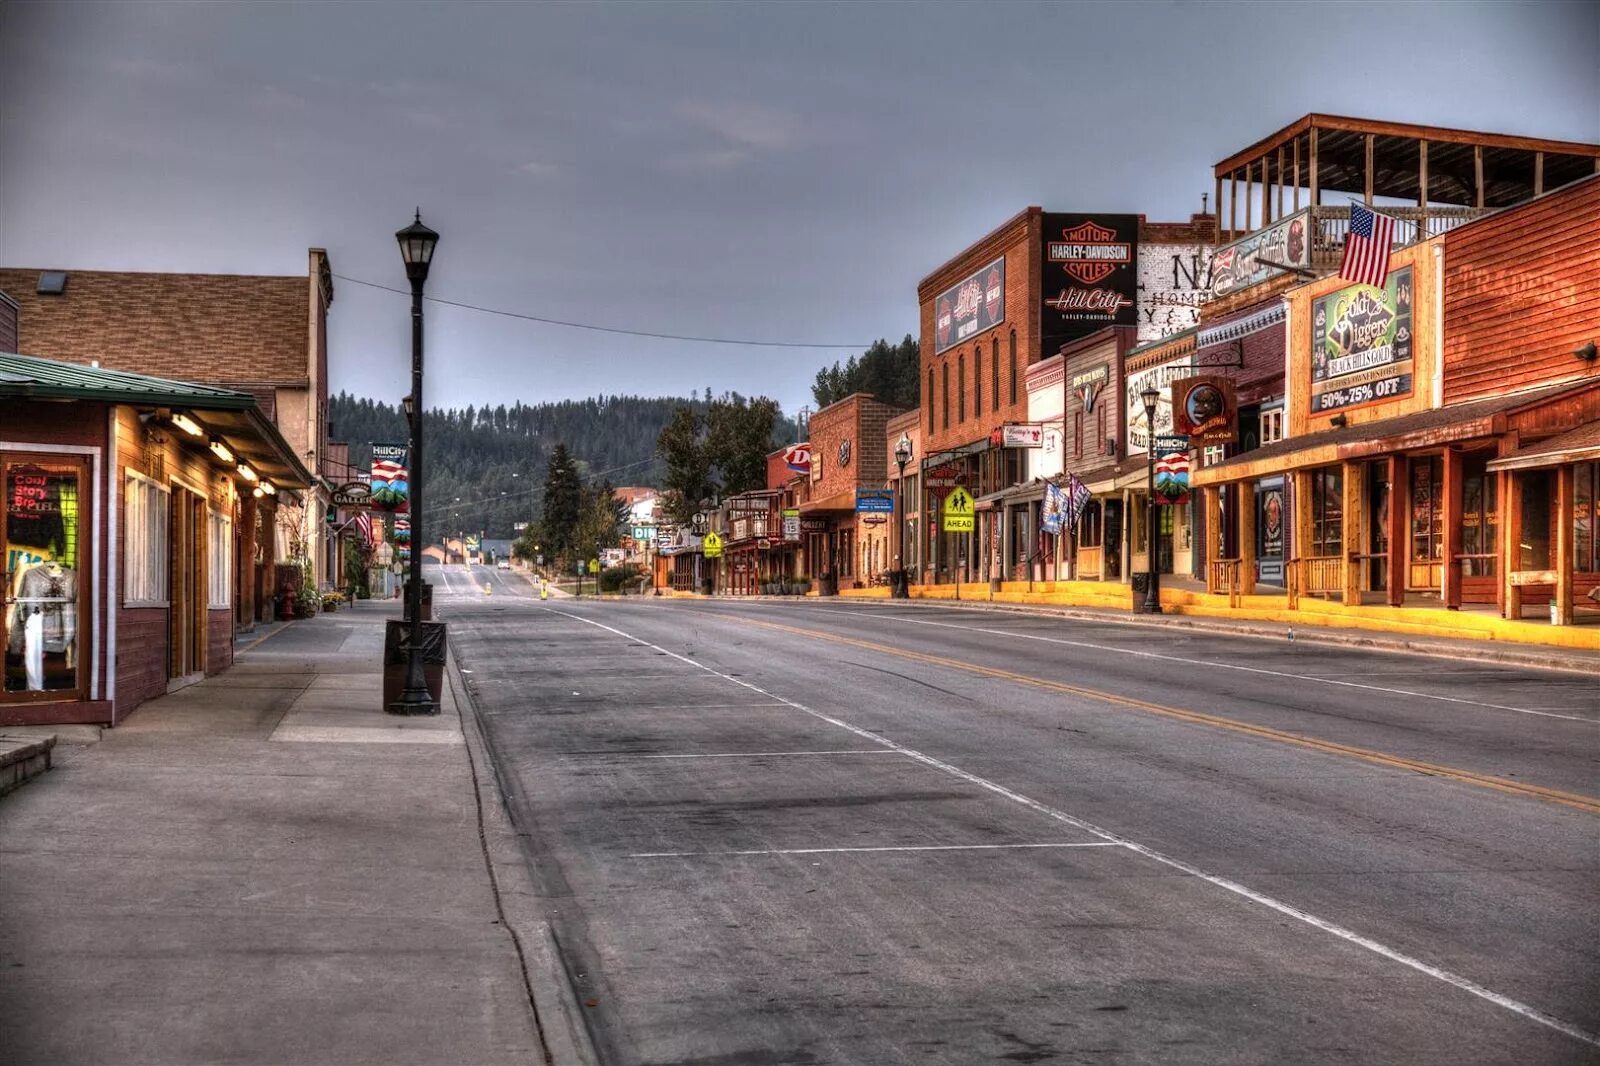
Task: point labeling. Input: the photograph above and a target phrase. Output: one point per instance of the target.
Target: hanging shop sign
(1022, 435)
(814, 525)
(958, 515)
(975, 303)
(1204, 408)
(791, 523)
(941, 479)
(1086, 384)
(1361, 344)
(798, 458)
(1089, 278)
(353, 494)
(1246, 261)
(874, 501)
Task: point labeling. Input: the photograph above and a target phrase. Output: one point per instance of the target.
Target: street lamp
(902, 456)
(1152, 591)
(416, 249)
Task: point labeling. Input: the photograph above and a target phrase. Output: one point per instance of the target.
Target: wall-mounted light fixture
(221, 450)
(1338, 421)
(248, 474)
(1587, 353)
(267, 487)
(257, 493)
(187, 424)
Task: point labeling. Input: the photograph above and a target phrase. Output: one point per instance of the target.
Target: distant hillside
(477, 453)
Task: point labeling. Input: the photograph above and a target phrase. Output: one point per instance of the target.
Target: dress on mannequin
(44, 618)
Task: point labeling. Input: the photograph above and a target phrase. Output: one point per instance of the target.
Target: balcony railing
(1331, 225)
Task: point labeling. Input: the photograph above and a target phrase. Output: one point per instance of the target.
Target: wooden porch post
(1351, 540)
(1477, 171)
(1367, 171)
(1450, 575)
(1247, 537)
(1564, 494)
(1266, 190)
(1301, 504)
(1297, 173)
(1217, 207)
(1249, 202)
(1212, 508)
(244, 567)
(1316, 184)
(1396, 532)
(1538, 173)
(1233, 204)
(1511, 540)
(1422, 190)
(1280, 181)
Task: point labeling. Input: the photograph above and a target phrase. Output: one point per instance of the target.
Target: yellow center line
(1329, 747)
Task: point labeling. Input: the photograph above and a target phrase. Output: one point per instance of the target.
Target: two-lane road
(870, 833)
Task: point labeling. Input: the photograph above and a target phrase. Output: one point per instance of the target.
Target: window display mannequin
(43, 618)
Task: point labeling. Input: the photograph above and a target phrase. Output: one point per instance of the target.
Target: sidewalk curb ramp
(22, 759)
(557, 1013)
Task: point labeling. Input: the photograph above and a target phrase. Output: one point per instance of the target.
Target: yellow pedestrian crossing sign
(712, 545)
(958, 512)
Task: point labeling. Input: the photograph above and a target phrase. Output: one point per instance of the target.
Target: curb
(556, 1013)
(1535, 656)
(22, 759)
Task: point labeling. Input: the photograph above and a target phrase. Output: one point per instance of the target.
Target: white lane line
(841, 851)
(444, 572)
(1289, 910)
(1231, 666)
(765, 754)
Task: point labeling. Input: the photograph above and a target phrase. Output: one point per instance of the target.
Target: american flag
(364, 524)
(1366, 249)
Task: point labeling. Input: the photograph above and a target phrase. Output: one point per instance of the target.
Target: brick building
(848, 452)
(265, 336)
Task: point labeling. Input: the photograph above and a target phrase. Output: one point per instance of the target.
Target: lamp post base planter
(396, 651)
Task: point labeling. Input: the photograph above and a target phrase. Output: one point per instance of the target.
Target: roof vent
(52, 282)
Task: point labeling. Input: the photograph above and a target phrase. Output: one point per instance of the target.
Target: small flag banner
(1077, 499)
(1366, 248)
(391, 487)
(402, 531)
(1172, 478)
(1055, 504)
(364, 526)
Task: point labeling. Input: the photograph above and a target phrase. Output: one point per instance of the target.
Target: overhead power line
(604, 329)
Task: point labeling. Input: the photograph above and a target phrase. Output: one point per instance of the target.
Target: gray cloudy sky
(768, 170)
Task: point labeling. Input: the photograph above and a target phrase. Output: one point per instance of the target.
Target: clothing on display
(42, 618)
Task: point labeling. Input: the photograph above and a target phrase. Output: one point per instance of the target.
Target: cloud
(536, 168)
(750, 125)
(708, 161)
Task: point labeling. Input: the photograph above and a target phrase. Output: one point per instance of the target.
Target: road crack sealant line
(1244, 891)
(1589, 804)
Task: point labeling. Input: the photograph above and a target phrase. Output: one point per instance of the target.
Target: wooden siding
(1521, 292)
(141, 656)
(219, 640)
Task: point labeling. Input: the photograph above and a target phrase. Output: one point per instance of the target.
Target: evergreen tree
(889, 372)
(738, 437)
(563, 503)
(682, 450)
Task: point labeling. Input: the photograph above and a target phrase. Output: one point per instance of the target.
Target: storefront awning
(1424, 429)
(838, 502)
(1580, 445)
(1027, 492)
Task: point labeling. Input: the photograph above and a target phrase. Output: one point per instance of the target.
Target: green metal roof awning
(233, 416)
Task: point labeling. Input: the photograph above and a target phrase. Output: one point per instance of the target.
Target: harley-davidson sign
(975, 303)
(1089, 277)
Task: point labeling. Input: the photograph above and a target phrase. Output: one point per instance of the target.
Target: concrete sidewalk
(263, 868)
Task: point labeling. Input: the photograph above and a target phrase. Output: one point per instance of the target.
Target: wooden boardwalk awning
(1580, 445)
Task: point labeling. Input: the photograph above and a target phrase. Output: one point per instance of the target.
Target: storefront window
(1585, 511)
(1533, 553)
(1327, 511)
(1480, 517)
(1427, 509)
(1089, 526)
(44, 532)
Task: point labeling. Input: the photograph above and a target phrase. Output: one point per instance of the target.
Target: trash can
(427, 601)
(1140, 581)
(396, 653)
(708, 586)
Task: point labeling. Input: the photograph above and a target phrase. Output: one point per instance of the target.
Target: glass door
(45, 527)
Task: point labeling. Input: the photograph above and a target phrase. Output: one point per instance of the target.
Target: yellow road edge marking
(1576, 800)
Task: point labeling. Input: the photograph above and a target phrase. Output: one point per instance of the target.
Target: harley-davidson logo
(992, 292)
(1090, 252)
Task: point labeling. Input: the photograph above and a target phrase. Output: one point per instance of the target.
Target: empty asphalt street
(846, 832)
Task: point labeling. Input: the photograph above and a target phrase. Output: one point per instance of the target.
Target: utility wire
(603, 329)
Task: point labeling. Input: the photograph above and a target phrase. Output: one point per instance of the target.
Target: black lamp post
(416, 248)
(902, 456)
(1152, 592)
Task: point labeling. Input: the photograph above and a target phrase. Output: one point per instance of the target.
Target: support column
(1266, 190)
(1247, 537)
(1564, 494)
(1212, 504)
(1350, 541)
(1367, 172)
(1297, 173)
(1316, 185)
(1398, 548)
(1450, 576)
(1300, 506)
(1477, 173)
(1510, 542)
(1216, 205)
(1538, 173)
